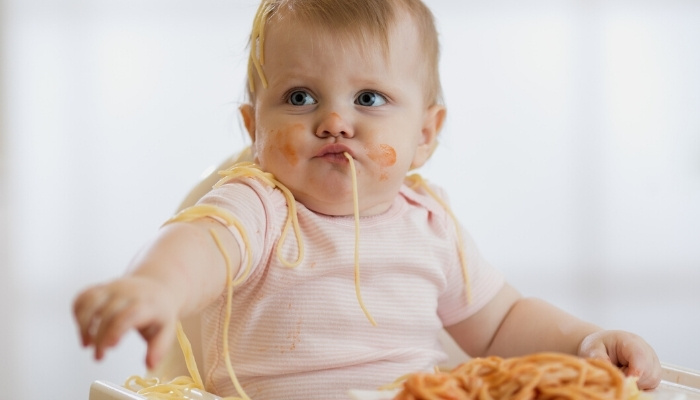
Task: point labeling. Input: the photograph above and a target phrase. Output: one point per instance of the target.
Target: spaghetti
(257, 43)
(356, 212)
(251, 170)
(535, 376)
(178, 388)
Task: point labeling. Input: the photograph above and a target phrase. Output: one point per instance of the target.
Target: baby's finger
(111, 324)
(159, 341)
(641, 361)
(86, 309)
(650, 378)
(593, 347)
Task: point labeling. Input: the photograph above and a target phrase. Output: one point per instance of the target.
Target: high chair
(173, 364)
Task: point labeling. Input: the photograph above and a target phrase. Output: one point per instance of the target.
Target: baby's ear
(248, 114)
(432, 124)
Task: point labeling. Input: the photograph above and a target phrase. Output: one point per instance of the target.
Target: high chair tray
(677, 383)
(102, 390)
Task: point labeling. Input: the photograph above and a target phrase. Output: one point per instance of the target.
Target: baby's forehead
(364, 35)
(360, 31)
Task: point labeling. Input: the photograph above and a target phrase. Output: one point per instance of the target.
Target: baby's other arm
(179, 273)
(511, 325)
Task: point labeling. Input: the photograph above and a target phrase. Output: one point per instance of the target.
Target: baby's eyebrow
(287, 78)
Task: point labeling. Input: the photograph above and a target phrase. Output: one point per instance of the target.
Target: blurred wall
(571, 153)
(8, 313)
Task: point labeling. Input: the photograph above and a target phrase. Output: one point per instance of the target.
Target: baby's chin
(344, 207)
(340, 208)
(334, 196)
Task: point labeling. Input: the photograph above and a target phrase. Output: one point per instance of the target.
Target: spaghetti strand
(356, 213)
(417, 181)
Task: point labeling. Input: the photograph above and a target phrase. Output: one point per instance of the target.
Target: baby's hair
(364, 21)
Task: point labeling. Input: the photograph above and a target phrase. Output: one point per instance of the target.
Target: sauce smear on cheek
(290, 153)
(285, 139)
(385, 156)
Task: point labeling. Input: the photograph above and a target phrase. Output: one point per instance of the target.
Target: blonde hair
(365, 21)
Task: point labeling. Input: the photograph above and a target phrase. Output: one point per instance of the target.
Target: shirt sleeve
(459, 301)
(485, 282)
(247, 203)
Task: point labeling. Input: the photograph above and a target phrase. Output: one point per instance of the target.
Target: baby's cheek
(289, 153)
(384, 156)
(283, 142)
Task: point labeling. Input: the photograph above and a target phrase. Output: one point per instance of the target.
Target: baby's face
(327, 96)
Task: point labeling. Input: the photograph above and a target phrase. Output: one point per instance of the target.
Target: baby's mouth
(335, 153)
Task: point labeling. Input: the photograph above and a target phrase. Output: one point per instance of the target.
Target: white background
(571, 153)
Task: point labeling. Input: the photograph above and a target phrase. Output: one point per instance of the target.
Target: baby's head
(336, 78)
(360, 21)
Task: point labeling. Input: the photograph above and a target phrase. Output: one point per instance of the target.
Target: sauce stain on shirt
(295, 336)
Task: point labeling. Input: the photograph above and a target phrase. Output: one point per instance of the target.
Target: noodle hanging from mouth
(356, 212)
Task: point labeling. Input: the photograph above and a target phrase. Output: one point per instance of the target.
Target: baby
(345, 272)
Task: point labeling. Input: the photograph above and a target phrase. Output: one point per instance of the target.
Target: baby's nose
(334, 125)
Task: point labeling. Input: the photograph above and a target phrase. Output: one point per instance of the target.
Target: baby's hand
(629, 351)
(106, 312)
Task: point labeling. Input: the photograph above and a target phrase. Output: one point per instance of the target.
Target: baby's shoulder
(421, 192)
(248, 194)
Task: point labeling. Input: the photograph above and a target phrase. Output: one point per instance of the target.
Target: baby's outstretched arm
(177, 274)
(511, 325)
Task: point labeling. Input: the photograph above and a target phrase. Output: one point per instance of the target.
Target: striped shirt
(299, 333)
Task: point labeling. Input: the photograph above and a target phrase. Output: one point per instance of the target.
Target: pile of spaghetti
(537, 376)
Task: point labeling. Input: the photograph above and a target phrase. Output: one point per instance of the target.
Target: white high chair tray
(677, 383)
(101, 390)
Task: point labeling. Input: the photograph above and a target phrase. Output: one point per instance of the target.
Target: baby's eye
(300, 98)
(370, 99)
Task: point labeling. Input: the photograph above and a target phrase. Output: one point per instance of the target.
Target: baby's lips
(334, 148)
